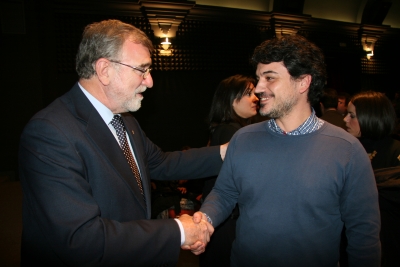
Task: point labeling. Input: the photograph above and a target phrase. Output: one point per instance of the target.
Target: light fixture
(369, 55)
(368, 46)
(165, 43)
(165, 47)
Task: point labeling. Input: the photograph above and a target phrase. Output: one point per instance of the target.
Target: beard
(281, 108)
(134, 103)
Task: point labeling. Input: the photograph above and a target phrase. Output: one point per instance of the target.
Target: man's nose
(148, 81)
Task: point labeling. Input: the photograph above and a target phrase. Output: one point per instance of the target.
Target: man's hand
(197, 233)
(223, 149)
(198, 216)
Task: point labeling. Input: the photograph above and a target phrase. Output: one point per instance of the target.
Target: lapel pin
(132, 132)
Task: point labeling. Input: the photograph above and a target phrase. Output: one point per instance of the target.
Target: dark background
(39, 40)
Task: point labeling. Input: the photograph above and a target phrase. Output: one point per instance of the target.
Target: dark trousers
(218, 251)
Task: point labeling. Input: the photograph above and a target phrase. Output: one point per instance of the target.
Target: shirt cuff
(182, 231)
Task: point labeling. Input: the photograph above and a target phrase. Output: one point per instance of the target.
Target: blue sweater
(294, 194)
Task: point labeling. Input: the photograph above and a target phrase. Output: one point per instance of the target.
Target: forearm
(191, 164)
(217, 207)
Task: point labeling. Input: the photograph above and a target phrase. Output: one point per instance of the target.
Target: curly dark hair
(375, 114)
(299, 56)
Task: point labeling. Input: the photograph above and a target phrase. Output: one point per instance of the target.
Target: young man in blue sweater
(297, 179)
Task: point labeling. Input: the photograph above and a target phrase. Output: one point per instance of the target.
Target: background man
(328, 103)
(296, 179)
(343, 102)
(85, 166)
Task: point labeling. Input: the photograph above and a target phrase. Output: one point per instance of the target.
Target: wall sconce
(368, 46)
(369, 55)
(166, 45)
(165, 42)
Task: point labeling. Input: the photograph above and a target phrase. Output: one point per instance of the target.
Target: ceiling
(377, 12)
(372, 16)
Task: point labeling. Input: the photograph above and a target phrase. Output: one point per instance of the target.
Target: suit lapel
(101, 135)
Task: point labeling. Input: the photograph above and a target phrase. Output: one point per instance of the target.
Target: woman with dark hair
(371, 117)
(233, 106)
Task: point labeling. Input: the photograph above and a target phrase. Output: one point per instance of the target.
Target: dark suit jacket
(82, 205)
(335, 118)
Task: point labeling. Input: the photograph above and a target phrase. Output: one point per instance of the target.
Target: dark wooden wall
(38, 65)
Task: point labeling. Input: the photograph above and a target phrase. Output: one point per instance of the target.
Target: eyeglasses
(145, 72)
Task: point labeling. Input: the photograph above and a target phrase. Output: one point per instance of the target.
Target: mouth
(140, 91)
(263, 96)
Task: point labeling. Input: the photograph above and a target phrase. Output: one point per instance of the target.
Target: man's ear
(102, 68)
(305, 83)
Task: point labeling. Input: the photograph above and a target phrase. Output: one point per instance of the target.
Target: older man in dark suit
(85, 166)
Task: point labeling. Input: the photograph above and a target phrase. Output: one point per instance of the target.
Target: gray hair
(104, 40)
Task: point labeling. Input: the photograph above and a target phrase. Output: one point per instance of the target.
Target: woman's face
(247, 106)
(353, 127)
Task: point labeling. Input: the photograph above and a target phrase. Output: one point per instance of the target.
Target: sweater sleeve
(222, 134)
(223, 197)
(360, 210)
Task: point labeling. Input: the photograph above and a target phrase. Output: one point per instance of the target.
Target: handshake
(197, 232)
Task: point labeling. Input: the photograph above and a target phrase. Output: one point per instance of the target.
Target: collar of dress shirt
(312, 124)
(104, 112)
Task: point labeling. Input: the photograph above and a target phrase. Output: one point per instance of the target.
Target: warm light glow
(166, 52)
(166, 44)
(368, 44)
(369, 55)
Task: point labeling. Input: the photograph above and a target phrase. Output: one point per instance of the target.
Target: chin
(135, 106)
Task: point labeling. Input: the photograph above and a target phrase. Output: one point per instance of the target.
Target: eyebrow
(269, 71)
(145, 66)
(266, 72)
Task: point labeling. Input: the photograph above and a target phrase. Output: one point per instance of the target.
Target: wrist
(208, 218)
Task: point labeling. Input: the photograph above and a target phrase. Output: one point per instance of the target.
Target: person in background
(168, 194)
(329, 102)
(343, 102)
(372, 118)
(296, 179)
(233, 106)
(85, 166)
